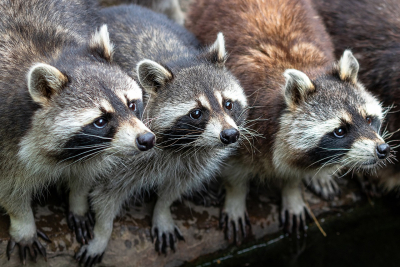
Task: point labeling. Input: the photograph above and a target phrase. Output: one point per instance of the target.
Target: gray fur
(198, 81)
(171, 8)
(52, 84)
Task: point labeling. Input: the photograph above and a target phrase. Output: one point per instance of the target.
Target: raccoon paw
(293, 217)
(82, 225)
(231, 222)
(33, 245)
(92, 253)
(165, 236)
(323, 186)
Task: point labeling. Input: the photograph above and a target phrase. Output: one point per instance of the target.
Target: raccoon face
(198, 105)
(88, 109)
(331, 121)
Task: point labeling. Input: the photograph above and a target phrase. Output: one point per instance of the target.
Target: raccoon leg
(106, 206)
(234, 214)
(23, 230)
(79, 217)
(323, 185)
(163, 230)
(294, 209)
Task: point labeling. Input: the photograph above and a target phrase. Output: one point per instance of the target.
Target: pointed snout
(229, 136)
(383, 151)
(145, 141)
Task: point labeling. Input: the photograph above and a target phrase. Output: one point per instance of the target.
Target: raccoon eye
(132, 106)
(228, 105)
(196, 114)
(339, 132)
(100, 123)
(369, 120)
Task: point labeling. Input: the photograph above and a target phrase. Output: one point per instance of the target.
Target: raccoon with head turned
(313, 115)
(373, 33)
(66, 109)
(193, 105)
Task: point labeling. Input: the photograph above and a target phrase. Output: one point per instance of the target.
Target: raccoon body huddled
(314, 116)
(374, 42)
(193, 105)
(170, 8)
(66, 110)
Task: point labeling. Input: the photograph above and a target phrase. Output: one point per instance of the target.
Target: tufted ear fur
(348, 67)
(100, 43)
(216, 53)
(44, 81)
(152, 76)
(297, 87)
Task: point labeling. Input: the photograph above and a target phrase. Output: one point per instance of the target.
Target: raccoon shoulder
(141, 33)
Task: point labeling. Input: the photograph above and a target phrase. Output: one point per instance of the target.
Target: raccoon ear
(297, 87)
(348, 67)
(100, 43)
(152, 76)
(44, 81)
(216, 53)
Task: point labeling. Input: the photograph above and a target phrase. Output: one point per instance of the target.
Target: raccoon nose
(229, 136)
(145, 141)
(382, 151)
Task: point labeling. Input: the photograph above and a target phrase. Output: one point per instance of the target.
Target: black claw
(164, 243)
(10, 248)
(154, 234)
(285, 222)
(79, 236)
(84, 231)
(89, 262)
(70, 221)
(101, 257)
(165, 240)
(22, 254)
(229, 231)
(32, 252)
(43, 236)
(236, 228)
(82, 226)
(159, 247)
(172, 242)
(91, 219)
(247, 219)
(243, 227)
(89, 229)
(82, 257)
(179, 234)
(42, 250)
(222, 220)
(95, 259)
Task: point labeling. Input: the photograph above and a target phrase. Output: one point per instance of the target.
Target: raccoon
(193, 105)
(170, 8)
(312, 113)
(66, 109)
(374, 42)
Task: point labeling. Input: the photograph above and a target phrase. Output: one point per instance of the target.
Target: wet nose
(229, 136)
(382, 151)
(145, 141)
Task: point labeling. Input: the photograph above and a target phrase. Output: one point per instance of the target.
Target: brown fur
(263, 41)
(296, 117)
